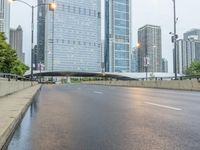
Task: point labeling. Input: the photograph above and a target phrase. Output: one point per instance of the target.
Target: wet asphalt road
(89, 117)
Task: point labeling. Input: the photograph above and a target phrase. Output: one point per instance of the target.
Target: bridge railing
(9, 77)
(197, 77)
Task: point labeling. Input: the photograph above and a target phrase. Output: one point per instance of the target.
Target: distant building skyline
(76, 43)
(16, 42)
(154, 8)
(118, 35)
(5, 18)
(150, 41)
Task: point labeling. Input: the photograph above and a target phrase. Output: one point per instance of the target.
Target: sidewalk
(12, 109)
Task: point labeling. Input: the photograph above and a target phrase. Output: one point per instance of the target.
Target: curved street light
(52, 7)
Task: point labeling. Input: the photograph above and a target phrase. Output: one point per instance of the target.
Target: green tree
(9, 62)
(19, 68)
(194, 69)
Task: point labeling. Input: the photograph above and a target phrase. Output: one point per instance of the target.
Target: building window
(68, 9)
(95, 13)
(79, 10)
(89, 12)
(99, 15)
(74, 9)
(63, 7)
(85, 11)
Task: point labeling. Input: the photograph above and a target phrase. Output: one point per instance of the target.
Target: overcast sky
(156, 12)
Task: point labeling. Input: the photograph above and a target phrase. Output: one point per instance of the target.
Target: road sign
(146, 61)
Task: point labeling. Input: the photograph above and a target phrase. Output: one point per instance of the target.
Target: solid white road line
(164, 106)
(96, 92)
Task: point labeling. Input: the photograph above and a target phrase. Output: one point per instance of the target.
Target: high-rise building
(41, 32)
(16, 42)
(164, 65)
(134, 60)
(192, 34)
(118, 35)
(73, 36)
(149, 37)
(5, 18)
(187, 52)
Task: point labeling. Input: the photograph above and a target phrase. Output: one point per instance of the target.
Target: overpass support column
(68, 80)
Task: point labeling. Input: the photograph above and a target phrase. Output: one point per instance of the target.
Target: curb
(8, 133)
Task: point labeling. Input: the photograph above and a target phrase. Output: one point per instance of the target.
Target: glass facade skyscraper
(118, 35)
(73, 36)
(39, 56)
(5, 18)
(187, 52)
(150, 40)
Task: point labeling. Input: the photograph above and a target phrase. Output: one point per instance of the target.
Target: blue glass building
(40, 53)
(118, 35)
(75, 43)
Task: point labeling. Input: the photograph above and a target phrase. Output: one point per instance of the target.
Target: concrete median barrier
(193, 85)
(9, 87)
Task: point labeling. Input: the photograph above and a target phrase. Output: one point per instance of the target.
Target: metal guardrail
(10, 77)
(172, 78)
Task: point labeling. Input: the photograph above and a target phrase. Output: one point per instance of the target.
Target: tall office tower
(192, 34)
(149, 37)
(194, 37)
(41, 32)
(16, 42)
(5, 18)
(118, 35)
(73, 36)
(187, 52)
(164, 65)
(134, 60)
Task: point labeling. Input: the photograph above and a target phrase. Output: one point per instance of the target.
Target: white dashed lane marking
(164, 106)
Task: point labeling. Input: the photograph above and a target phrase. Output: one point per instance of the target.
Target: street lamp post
(174, 40)
(146, 62)
(32, 40)
(52, 7)
(146, 59)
